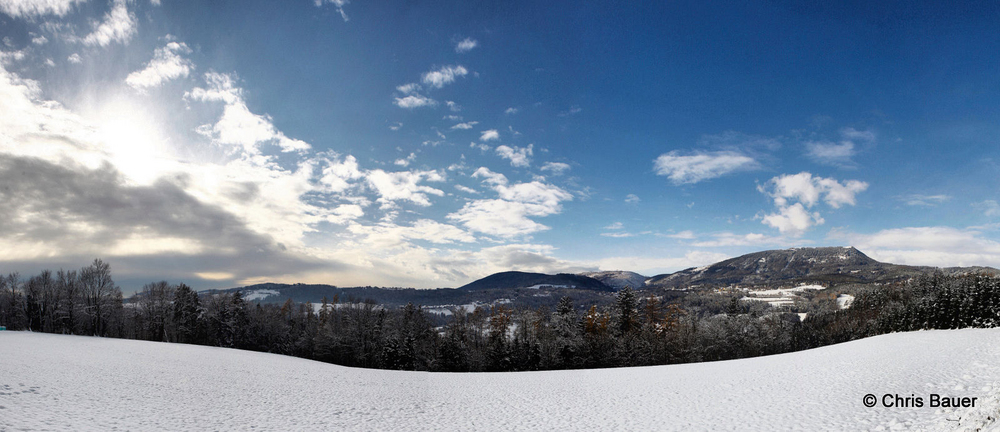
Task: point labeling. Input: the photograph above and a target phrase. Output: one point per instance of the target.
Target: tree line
(636, 329)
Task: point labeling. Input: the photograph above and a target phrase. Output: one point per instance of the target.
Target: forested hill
(824, 265)
(515, 279)
(827, 266)
(278, 293)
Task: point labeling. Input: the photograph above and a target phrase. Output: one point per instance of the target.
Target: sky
(429, 144)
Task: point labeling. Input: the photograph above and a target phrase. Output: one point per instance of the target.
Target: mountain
(827, 266)
(278, 293)
(830, 265)
(535, 292)
(515, 279)
(618, 279)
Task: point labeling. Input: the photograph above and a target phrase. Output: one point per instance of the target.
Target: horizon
(136, 286)
(361, 143)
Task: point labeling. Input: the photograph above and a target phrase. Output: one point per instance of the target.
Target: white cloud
(617, 234)
(345, 213)
(6, 57)
(807, 189)
(838, 154)
(632, 198)
(388, 235)
(466, 125)
(509, 216)
(547, 195)
(239, 127)
(467, 189)
(466, 45)
(405, 162)
(74, 58)
(683, 235)
(557, 168)
(830, 153)
(337, 175)
(167, 64)
(118, 26)
(923, 200)
(481, 147)
(500, 218)
(856, 135)
(460, 166)
(794, 218)
(443, 76)
(989, 208)
(454, 107)
(510, 111)
(490, 135)
(410, 88)
(339, 4)
(490, 176)
(37, 8)
(615, 226)
(414, 101)
(518, 156)
(700, 166)
(403, 186)
(39, 40)
(938, 246)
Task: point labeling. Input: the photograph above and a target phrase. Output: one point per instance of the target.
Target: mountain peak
(838, 264)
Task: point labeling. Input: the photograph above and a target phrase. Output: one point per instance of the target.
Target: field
(54, 382)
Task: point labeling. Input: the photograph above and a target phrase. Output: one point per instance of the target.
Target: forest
(636, 329)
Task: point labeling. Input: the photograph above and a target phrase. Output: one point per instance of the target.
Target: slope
(830, 265)
(58, 382)
(618, 279)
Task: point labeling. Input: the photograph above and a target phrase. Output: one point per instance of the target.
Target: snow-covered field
(781, 296)
(52, 382)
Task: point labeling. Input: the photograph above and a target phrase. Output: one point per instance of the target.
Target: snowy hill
(57, 382)
(825, 265)
(618, 279)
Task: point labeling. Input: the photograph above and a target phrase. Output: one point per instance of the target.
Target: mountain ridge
(829, 265)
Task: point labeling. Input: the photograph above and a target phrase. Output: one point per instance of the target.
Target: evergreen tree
(187, 315)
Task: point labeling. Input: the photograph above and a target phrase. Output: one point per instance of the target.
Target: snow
(467, 308)
(844, 300)
(260, 294)
(549, 286)
(57, 382)
(773, 301)
(780, 296)
(786, 291)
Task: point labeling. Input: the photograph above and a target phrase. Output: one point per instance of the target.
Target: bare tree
(154, 303)
(99, 294)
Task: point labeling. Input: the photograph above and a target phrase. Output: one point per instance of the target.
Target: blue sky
(431, 144)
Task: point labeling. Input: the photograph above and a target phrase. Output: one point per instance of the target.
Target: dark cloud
(77, 213)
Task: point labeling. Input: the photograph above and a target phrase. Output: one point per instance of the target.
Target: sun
(133, 141)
